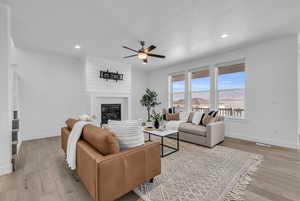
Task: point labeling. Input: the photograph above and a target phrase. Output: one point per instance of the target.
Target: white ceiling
(181, 29)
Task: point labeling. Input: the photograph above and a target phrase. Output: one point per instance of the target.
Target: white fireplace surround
(110, 98)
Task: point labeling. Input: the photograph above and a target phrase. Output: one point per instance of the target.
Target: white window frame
(190, 71)
(213, 73)
(216, 66)
(170, 88)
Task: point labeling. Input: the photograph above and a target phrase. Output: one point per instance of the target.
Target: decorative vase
(156, 124)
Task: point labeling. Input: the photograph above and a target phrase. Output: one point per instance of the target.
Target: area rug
(202, 174)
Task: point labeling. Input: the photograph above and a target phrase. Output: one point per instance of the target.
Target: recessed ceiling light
(77, 47)
(224, 35)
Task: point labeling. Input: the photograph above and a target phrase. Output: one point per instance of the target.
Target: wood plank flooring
(42, 175)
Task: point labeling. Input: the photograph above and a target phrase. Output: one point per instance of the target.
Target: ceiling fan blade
(128, 48)
(145, 61)
(152, 47)
(130, 56)
(156, 55)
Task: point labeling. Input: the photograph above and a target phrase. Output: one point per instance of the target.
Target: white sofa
(209, 136)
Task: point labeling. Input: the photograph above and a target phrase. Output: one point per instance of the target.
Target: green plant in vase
(156, 117)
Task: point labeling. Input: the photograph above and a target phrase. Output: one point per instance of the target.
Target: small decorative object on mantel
(111, 75)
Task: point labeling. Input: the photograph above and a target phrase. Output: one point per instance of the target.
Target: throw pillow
(206, 119)
(190, 118)
(197, 118)
(129, 133)
(183, 116)
(174, 117)
(213, 113)
(202, 118)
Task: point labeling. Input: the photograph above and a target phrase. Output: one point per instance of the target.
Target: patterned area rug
(202, 174)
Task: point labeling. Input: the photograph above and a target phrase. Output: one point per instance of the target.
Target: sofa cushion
(173, 125)
(190, 118)
(101, 139)
(192, 129)
(70, 123)
(197, 118)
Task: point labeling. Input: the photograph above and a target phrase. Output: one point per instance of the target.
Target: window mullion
(188, 95)
(213, 89)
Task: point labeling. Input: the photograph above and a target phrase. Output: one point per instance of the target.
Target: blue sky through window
(231, 81)
(225, 81)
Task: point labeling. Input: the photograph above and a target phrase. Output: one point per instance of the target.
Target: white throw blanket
(72, 141)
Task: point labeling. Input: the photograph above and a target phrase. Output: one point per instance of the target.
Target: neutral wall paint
(52, 89)
(5, 113)
(271, 90)
(95, 84)
(139, 85)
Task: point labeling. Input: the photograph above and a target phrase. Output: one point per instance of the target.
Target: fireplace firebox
(110, 112)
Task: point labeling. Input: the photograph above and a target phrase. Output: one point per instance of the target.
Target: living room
(231, 67)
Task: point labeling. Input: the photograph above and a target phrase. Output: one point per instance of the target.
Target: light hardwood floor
(43, 176)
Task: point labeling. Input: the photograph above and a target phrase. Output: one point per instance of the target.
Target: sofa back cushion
(197, 118)
(129, 133)
(190, 118)
(173, 117)
(101, 139)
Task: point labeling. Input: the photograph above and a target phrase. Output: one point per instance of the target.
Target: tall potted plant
(149, 100)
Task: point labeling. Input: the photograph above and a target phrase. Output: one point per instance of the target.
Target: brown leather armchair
(111, 175)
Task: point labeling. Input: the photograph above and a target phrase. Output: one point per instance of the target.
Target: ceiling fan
(144, 53)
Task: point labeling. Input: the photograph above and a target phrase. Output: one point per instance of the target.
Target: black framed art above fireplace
(110, 112)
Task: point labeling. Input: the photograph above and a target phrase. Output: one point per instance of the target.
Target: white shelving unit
(16, 123)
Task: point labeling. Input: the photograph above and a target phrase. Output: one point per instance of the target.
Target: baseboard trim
(38, 137)
(6, 169)
(265, 141)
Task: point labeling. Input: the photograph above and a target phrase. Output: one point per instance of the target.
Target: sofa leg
(151, 180)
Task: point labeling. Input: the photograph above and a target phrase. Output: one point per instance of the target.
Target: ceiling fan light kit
(143, 53)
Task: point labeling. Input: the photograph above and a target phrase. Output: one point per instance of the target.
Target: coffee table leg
(162, 147)
(177, 141)
(149, 137)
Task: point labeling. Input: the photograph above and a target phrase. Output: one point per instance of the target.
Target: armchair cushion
(101, 139)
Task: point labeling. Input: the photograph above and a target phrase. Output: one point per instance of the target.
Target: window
(231, 90)
(178, 91)
(220, 87)
(200, 90)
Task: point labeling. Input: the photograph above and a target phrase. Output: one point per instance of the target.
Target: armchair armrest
(215, 133)
(121, 173)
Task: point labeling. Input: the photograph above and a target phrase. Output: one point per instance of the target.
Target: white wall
(298, 84)
(52, 89)
(139, 85)
(271, 90)
(95, 84)
(5, 112)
